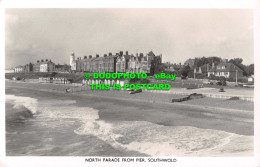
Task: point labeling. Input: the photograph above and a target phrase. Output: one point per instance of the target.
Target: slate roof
(151, 53)
(229, 67)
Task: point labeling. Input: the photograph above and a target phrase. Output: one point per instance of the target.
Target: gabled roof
(212, 69)
(229, 67)
(205, 66)
(151, 53)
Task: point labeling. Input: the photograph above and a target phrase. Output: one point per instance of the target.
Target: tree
(215, 60)
(222, 80)
(198, 62)
(161, 68)
(185, 71)
(156, 66)
(236, 61)
(250, 69)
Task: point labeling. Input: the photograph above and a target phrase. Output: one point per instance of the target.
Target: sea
(56, 127)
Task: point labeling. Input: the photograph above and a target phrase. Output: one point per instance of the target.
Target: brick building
(28, 67)
(227, 70)
(62, 68)
(44, 66)
(116, 63)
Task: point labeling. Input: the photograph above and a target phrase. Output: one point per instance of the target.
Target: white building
(47, 66)
(19, 69)
(9, 70)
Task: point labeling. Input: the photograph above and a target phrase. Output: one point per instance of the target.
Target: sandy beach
(144, 124)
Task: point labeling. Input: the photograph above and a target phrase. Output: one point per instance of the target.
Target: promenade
(246, 94)
(151, 96)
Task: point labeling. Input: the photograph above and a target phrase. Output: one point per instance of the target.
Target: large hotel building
(120, 62)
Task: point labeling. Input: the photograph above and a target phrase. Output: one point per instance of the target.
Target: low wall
(220, 96)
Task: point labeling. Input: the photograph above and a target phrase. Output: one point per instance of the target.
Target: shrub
(134, 80)
(190, 74)
(231, 79)
(243, 80)
(199, 76)
(145, 81)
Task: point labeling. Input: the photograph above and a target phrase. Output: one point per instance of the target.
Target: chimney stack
(141, 55)
(110, 54)
(126, 52)
(105, 55)
(97, 55)
(90, 56)
(85, 57)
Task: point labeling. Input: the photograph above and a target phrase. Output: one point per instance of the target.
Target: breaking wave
(152, 139)
(141, 136)
(21, 107)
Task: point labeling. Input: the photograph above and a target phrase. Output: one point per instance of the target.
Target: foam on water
(141, 136)
(149, 138)
(23, 102)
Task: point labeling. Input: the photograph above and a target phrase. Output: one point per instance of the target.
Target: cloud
(178, 34)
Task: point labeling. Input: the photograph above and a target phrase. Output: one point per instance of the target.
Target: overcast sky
(177, 34)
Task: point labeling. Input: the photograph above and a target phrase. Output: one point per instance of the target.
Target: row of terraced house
(119, 62)
(40, 66)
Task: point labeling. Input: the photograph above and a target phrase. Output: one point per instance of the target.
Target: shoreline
(146, 96)
(137, 117)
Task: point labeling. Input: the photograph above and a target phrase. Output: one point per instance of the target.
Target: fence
(54, 80)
